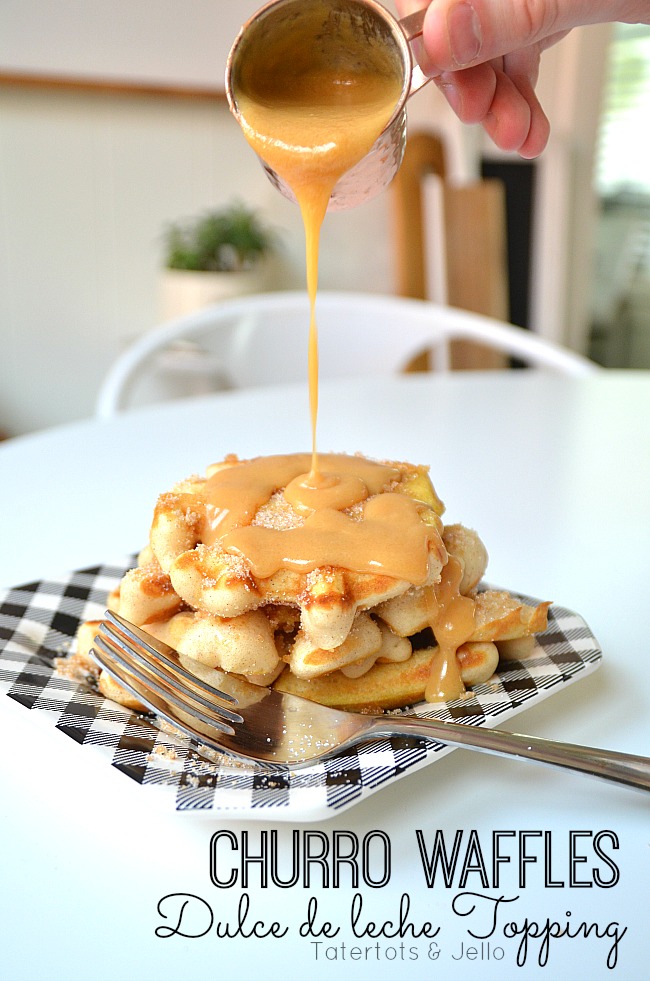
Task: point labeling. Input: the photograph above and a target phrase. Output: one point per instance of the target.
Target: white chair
(262, 340)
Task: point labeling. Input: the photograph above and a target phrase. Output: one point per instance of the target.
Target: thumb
(459, 33)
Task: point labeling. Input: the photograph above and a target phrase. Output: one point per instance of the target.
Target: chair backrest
(262, 340)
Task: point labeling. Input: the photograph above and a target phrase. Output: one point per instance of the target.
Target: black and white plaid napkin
(38, 622)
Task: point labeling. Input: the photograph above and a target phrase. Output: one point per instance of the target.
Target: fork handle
(633, 771)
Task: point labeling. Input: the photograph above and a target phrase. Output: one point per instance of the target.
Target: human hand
(484, 56)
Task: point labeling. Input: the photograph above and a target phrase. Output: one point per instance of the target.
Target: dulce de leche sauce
(452, 618)
(385, 536)
(312, 100)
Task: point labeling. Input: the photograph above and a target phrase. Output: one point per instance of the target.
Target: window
(623, 161)
(621, 294)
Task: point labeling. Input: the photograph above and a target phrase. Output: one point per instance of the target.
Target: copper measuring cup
(372, 24)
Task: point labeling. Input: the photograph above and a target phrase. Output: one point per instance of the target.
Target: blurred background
(113, 125)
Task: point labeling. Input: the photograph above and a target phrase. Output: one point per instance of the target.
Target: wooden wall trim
(102, 86)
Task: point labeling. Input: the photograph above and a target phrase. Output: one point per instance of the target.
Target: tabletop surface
(545, 870)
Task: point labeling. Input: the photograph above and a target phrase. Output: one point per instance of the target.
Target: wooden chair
(473, 235)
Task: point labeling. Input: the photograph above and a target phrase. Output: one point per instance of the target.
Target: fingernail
(464, 30)
(450, 92)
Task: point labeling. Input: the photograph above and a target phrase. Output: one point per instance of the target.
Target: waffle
(213, 576)
(357, 616)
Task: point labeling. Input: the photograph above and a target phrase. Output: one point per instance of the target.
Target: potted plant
(219, 254)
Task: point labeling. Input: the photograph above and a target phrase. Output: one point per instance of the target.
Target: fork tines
(140, 663)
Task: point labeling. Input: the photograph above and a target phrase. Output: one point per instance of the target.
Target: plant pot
(184, 291)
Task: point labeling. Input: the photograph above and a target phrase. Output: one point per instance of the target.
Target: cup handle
(411, 25)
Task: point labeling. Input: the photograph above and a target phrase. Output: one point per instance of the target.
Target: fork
(227, 713)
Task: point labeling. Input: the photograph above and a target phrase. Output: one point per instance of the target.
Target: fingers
(484, 56)
(460, 37)
(459, 33)
(470, 92)
(503, 102)
(516, 120)
(539, 127)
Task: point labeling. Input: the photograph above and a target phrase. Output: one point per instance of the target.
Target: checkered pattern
(39, 620)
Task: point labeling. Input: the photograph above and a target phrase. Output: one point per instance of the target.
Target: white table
(555, 475)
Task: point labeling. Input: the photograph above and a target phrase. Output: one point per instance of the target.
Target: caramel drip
(388, 538)
(315, 491)
(313, 212)
(310, 120)
(451, 616)
(235, 494)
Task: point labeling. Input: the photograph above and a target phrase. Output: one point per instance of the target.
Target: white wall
(169, 41)
(87, 185)
(89, 180)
